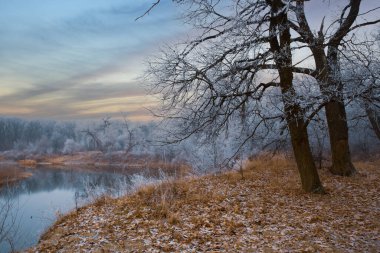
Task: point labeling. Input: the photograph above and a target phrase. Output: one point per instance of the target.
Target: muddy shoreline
(263, 212)
(10, 174)
(13, 170)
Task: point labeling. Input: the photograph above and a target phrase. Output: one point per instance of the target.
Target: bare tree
(9, 215)
(241, 64)
(373, 113)
(325, 47)
(361, 76)
(131, 139)
(95, 139)
(293, 111)
(94, 135)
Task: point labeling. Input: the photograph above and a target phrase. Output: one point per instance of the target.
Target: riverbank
(12, 168)
(262, 209)
(10, 173)
(91, 159)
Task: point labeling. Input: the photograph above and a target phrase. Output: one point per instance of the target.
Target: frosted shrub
(70, 147)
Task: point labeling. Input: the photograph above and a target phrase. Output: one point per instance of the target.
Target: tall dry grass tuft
(55, 160)
(28, 163)
(277, 171)
(160, 197)
(270, 162)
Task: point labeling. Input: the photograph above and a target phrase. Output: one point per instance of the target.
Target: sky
(83, 59)
(79, 58)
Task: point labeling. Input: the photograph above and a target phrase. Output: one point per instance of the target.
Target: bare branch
(364, 24)
(149, 10)
(346, 23)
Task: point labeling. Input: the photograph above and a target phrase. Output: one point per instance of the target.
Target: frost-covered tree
(239, 66)
(360, 64)
(326, 46)
(11, 131)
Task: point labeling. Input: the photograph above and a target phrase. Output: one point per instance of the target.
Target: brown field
(11, 171)
(27, 163)
(12, 174)
(94, 159)
(262, 209)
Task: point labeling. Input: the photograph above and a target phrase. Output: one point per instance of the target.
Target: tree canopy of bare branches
(241, 67)
(237, 69)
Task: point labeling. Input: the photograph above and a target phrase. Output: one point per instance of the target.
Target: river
(30, 206)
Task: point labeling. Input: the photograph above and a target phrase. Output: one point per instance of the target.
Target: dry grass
(99, 159)
(56, 160)
(49, 233)
(263, 211)
(27, 163)
(72, 216)
(9, 175)
(85, 158)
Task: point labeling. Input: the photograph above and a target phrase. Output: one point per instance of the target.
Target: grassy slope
(265, 211)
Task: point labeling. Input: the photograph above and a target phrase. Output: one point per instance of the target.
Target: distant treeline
(19, 137)
(41, 136)
(21, 134)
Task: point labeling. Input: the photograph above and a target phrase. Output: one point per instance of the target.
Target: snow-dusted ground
(264, 212)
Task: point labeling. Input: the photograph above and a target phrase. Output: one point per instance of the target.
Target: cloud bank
(78, 59)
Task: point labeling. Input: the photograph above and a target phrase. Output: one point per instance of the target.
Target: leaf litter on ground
(263, 210)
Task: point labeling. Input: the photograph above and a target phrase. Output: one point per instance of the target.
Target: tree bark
(337, 118)
(304, 159)
(338, 132)
(328, 70)
(328, 76)
(293, 111)
(374, 119)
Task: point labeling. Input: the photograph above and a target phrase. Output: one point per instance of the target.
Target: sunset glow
(70, 60)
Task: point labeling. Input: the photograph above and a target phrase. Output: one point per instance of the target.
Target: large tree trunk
(337, 118)
(293, 111)
(328, 76)
(298, 134)
(328, 70)
(304, 159)
(338, 132)
(374, 118)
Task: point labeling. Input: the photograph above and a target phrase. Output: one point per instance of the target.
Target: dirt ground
(261, 210)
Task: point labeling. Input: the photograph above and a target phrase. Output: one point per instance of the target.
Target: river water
(30, 206)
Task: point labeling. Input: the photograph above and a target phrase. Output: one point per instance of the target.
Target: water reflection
(47, 179)
(33, 204)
